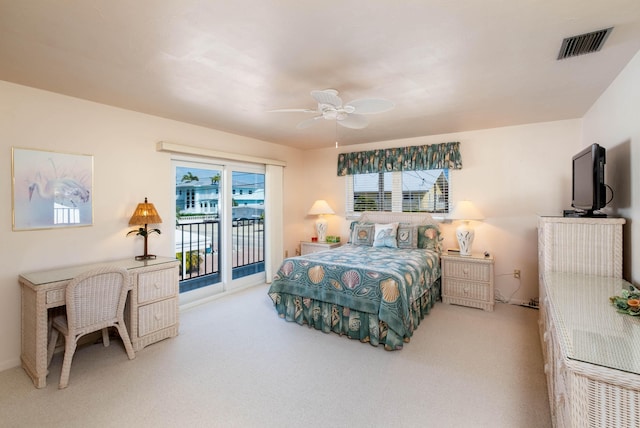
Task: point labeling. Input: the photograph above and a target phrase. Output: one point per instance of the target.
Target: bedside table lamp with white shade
(320, 208)
(465, 211)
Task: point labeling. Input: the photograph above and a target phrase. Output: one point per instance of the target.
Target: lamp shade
(320, 207)
(145, 213)
(466, 210)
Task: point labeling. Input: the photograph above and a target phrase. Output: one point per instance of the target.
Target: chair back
(95, 298)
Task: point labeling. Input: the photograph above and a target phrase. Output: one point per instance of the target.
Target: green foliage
(628, 302)
(192, 260)
(189, 177)
(144, 232)
(365, 203)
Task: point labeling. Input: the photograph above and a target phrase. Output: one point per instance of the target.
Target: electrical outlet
(286, 253)
(516, 273)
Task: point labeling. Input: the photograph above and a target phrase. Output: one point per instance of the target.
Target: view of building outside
(426, 191)
(199, 201)
(198, 193)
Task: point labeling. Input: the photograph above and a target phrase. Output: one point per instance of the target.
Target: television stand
(587, 214)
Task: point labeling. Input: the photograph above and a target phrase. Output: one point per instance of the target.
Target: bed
(377, 288)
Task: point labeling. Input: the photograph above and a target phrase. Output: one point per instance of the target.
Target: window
(407, 191)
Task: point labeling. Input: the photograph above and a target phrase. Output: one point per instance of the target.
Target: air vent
(584, 43)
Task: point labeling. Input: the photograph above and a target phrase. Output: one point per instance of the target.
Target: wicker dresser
(591, 352)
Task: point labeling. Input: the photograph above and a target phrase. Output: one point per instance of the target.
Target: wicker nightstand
(468, 281)
(307, 247)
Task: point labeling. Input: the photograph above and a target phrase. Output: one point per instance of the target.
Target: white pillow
(385, 235)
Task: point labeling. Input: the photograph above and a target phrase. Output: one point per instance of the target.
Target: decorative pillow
(361, 233)
(429, 237)
(385, 235)
(407, 236)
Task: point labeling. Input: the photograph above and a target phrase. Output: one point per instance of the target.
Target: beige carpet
(237, 364)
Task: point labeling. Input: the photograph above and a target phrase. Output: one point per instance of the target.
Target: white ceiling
(448, 65)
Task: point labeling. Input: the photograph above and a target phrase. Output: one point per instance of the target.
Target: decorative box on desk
(307, 247)
(468, 280)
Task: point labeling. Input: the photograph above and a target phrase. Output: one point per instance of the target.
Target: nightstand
(468, 280)
(307, 247)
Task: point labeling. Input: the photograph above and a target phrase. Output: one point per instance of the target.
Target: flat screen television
(588, 188)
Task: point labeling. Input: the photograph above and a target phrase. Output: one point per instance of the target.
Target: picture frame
(50, 189)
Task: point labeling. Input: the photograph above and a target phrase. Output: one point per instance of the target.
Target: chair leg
(105, 336)
(124, 335)
(69, 349)
(53, 341)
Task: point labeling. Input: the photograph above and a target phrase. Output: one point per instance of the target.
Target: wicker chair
(94, 301)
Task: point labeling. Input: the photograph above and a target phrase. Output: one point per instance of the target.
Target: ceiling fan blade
(354, 121)
(371, 105)
(292, 110)
(307, 123)
(328, 96)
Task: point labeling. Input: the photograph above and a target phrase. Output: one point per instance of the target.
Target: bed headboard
(389, 217)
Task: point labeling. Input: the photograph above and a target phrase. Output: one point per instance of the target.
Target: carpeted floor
(237, 364)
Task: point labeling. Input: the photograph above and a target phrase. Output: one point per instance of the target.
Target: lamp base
(146, 257)
(321, 229)
(465, 235)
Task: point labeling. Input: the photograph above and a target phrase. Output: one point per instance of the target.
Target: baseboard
(186, 305)
(518, 302)
(526, 303)
(9, 364)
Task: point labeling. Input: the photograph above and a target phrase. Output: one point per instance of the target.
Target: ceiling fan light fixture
(350, 115)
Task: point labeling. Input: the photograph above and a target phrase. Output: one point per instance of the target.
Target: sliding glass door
(247, 229)
(219, 236)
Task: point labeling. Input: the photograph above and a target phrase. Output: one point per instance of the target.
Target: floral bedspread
(383, 281)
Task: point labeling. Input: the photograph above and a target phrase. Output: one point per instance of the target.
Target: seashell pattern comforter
(374, 294)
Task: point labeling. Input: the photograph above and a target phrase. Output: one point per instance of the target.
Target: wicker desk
(151, 313)
(592, 353)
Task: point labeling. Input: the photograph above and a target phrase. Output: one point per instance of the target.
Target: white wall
(513, 174)
(127, 168)
(614, 122)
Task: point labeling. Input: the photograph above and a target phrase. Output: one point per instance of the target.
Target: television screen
(588, 188)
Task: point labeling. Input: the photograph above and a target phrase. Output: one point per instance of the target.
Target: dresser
(307, 247)
(591, 352)
(468, 280)
(151, 312)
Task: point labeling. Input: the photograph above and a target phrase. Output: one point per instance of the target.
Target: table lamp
(465, 211)
(320, 208)
(144, 214)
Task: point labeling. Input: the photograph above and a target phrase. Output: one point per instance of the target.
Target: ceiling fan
(350, 115)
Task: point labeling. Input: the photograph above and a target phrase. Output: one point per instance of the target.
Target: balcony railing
(198, 247)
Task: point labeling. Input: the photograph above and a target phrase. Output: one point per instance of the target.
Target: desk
(151, 313)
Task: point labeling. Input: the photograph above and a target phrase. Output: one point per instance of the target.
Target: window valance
(412, 158)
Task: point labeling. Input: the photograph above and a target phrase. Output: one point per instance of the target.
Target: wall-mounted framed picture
(51, 189)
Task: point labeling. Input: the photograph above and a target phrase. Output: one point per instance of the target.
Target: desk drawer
(157, 316)
(157, 285)
(56, 297)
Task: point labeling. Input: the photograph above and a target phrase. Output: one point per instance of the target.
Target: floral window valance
(412, 158)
